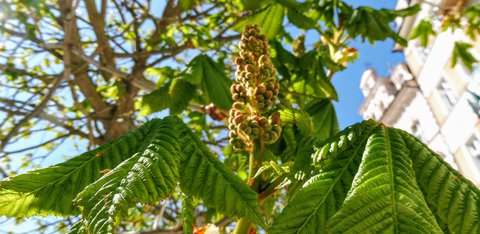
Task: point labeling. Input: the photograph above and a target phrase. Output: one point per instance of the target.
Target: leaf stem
(243, 224)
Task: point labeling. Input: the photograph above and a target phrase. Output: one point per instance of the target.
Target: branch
(32, 114)
(36, 146)
(144, 84)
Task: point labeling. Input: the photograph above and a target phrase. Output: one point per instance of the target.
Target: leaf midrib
(65, 176)
(244, 200)
(391, 178)
(364, 139)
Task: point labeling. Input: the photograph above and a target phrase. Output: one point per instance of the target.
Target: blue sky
(378, 56)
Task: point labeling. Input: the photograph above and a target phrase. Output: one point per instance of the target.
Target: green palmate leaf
(298, 118)
(284, 61)
(155, 101)
(311, 81)
(385, 196)
(202, 175)
(326, 10)
(454, 199)
(216, 85)
(423, 31)
(188, 214)
(460, 52)
(147, 177)
(181, 93)
(412, 10)
(269, 19)
(300, 20)
(472, 14)
(373, 25)
(324, 118)
(203, 72)
(319, 199)
(50, 191)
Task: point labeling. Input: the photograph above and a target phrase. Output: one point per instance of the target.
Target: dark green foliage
(373, 25)
(385, 196)
(188, 214)
(454, 199)
(50, 191)
(323, 194)
(154, 156)
(374, 179)
(202, 175)
(147, 177)
(201, 74)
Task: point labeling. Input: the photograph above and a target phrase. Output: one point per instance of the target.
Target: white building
(427, 96)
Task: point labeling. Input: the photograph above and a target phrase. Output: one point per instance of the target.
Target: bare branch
(32, 114)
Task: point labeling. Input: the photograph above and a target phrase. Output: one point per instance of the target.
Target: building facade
(427, 96)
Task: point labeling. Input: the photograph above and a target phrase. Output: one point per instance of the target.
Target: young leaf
(202, 175)
(312, 81)
(324, 118)
(322, 195)
(460, 51)
(204, 73)
(454, 199)
(423, 31)
(155, 101)
(50, 191)
(216, 85)
(385, 196)
(270, 20)
(181, 93)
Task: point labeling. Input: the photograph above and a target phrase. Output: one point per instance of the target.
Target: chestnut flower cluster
(254, 91)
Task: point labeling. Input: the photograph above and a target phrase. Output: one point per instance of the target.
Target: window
(447, 94)
(417, 130)
(473, 148)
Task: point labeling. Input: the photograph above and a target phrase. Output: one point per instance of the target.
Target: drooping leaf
(181, 93)
(300, 20)
(319, 199)
(202, 175)
(423, 31)
(204, 73)
(269, 19)
(411, 10)
(284, 61)
(324, 118)
(454, 199)
(311, 81)
(460, 52)
(50, 191)
(147, 177)
(216, 85)
(155, 101)
(385, 196)
(374, 25)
